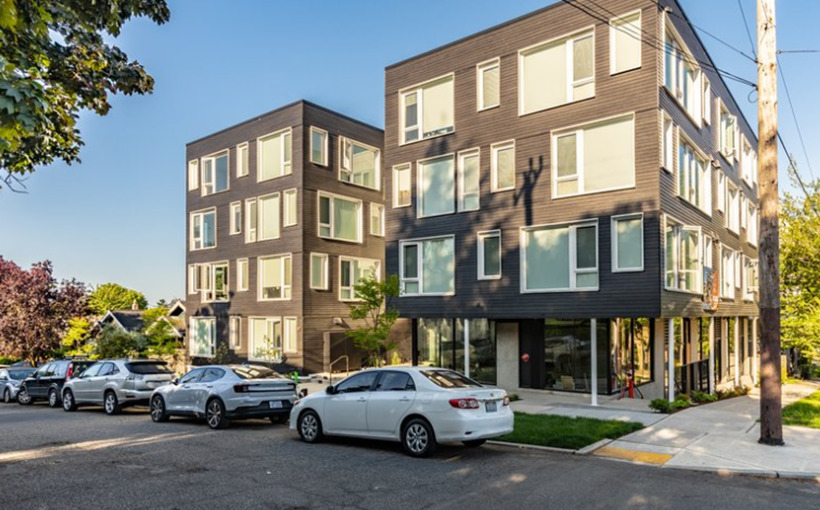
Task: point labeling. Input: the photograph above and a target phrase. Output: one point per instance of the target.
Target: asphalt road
(52, 459)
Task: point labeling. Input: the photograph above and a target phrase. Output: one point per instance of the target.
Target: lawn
(564, 432)
(805, 412)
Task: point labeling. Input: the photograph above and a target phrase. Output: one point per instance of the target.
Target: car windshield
(19, 375)
(156, 367)
(255, 373)
(449, 379)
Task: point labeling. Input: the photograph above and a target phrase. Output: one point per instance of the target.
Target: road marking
(633, 455)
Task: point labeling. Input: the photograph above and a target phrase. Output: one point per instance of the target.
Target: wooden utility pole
(771, 414)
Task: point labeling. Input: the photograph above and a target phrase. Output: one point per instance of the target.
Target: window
(401, 185)
(236, 218)
(290, 334)
(377, 220)
(358, 383)
(683, 257)
(427, 110)
(436, 186)
(427, 266)
(627, 243)
(395, 381)
(682, 77)
(598, 157)
(727, 135)
(359, 164)
(251, 219)
(203, 230)
(290, 215)
(242, 160)
(340, 218)
(215, 174)
(274, 155)
(193, 279)
(488, 82)
(668, 144)
(743, 211)
(733, 208)
(748, 163)
(202, 334)
(265, 343)
(721, 192)
(750, 277)
(234, 326)
(503, 166)
(751, 223)
(625, 43)
(318, 146)
(268, 217)
(560, 258)
(707, 101)
(489, 255)
(242, 276)
(727, 273)
(319, 271)
(351, 271)
(556, 73)
(469, 180)
(274, 278)
(213, 281)
(707, 252)
(193, 175)
(694, 178)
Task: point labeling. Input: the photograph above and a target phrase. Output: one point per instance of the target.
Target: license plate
(276, 404)
(492, 406)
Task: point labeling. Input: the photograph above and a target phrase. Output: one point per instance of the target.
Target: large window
(319, 277)
(318, 146)
(193, 174)
(202, 337)
(707, 101)
(727, 134)
(401, 185)
(568, 354)
(627, 243)
(694, 178)
(684, 270)
(428, 266)
(215, 174)
(728, 278)
(214, 281)
(598, 157)
(351, 270)
(291, 334)
(436, 186)
(269, 217)
(274, 278)
(751, 223)
(359, 164)
(340, 218)
(668, 160)
(441, 343)
(748, 163)
(733, 208)
(503, 166)
(289, 211)
(236, 218)
(251, 217)
(265, 339)
(469, 180)
(625, 43)
(556, 73)
(242, 160)
(489, 255)
(682, 76)
(427, 110)
(488, 84)
(234, 327)
(274, 153)
(203, 230)
(750, 278)
(560, 258)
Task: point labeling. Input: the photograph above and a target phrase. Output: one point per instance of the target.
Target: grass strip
(805, 412)
(565, 432)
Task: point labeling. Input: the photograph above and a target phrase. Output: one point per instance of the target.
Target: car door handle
(362, 399)
(209, 387)
(404, 399)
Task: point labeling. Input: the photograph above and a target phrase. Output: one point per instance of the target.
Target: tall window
(598, 157)
(469, 180)
(291, 334)
(556, 73)
(627, 243)
(428, 266)
(427, 110)
(733, 208)
(193, 278)
(351, 270)
(193, 175)
(214, 281)
(319, 278)
(274, 154)
(560, 258)
(727, 135)
(436, 186)
(242, 160)
(318, 146)
(268, 216)
(215, 174)
(751, 223)
(251, 217)
(235, 325)
(750, 278)
(359, 164)
(376, 219)
(236, 218)
(683, 263)
(242, 276)
(503, 166)
(290, 216)
(682, 76)
(489, 255)
(721, 191)
(202, 337)
(203, 230)
(625, 43)
(401, 185)
(340, 218)
(707, 101)
(748, 163)
(265, 342)
(668, 162)
(488, 82)
(274, 278)
(727, 273)
(694, 179)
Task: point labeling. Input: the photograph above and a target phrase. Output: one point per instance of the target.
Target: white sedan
(418, 406)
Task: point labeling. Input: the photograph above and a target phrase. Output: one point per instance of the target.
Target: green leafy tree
(269, 351)
(158, 332)
(76, 340)
(55, 60)
(113, 296)
(376, 315)
(114, 342)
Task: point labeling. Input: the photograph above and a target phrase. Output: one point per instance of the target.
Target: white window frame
(733, 210)
(324, 148)
(574, 271)
(705, 179)
(379, 230)
(682, 57)
(290, 334)
(419, 242)
(752, 224)
(325, 284)
(208, 278)
(287, 289)
(481, 68)
(251, 226)
(481, 238)
(346, 162)
(707, 100)
(243, 163)
(285, 164)
(721, 192)
(193, 174)
(192, 328)
(242, 275)
(676, 271)
(193, 272)
(474, 152)
(290, 194)
(616, 24)
(236, 227)
(193, 240)
(728, 276)
(404, 167)
(212, 184)
(729, 153)
(614, 242)
(750, 291)
(419, 188)
(260, 219)
(418, 90)
(352, 287)
(668, 129)
(494, 150)
(332, 197)
(234, 332)
(252, 354)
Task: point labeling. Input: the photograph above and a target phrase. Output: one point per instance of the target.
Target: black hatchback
(47, 382)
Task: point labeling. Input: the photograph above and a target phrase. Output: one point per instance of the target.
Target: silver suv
(115, 384)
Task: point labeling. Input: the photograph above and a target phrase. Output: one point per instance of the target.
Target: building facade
(572, 203)
(284, 214)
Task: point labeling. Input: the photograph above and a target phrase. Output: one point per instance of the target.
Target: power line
(798, 51)
(796, 174)
(746, 26)
(794, 116)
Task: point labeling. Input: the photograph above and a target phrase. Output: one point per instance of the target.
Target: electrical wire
(746, 26)
(794, 116)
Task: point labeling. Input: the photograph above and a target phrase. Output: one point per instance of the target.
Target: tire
(53, 398)
(418, 438)
(69, 404)
(110, 403)
(6, 396)
(215, 414)
(310, 427)
(475, 443)
(158, 412)
(23, 398)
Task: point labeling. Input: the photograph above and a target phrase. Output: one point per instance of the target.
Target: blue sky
(119, 215)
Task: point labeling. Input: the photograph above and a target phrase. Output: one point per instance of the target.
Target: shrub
(681, 402)
(661, 405)
(700, 397)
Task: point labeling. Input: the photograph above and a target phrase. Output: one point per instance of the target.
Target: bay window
(627, 243)
(427, 266)
(436, 186)
(274, 278)
(359, 164)
(351, 271)
(684, 266)
(274, 155)
(469, 180)
(427, 110)
(203, 230)
(340, 218)
(560, 258)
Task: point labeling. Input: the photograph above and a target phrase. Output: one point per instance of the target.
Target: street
(53, 459)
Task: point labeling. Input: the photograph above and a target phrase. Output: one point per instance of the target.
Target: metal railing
(347, 366)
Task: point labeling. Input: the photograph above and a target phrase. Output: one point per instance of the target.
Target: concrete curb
(522, 446)
(588, 449)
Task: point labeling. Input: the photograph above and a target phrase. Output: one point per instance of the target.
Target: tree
(377, 315)
(115, 342)
(54, 61)
(75, 341)
(112, 296)
(158, 333)
(35, 310)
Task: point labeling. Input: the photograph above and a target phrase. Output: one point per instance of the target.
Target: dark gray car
(10, 380)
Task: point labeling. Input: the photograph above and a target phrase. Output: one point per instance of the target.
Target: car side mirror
(331, 390)
(175, 381)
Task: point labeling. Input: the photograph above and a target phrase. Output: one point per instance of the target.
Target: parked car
(10, 379)
(418, 406)
(220, 393)
(46, 383)
(116, 384)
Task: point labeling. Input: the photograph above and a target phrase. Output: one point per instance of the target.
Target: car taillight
(135, 377)
(70, 373)
(241, 388)
(464, 403)
(506, 400)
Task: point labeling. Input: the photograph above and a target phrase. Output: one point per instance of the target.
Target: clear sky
(120, 215)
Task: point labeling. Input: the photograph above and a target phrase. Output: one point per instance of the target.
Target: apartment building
(284, 214)
(572, 202)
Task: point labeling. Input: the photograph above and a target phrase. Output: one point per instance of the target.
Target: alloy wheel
(6, 396)
(68, 401)
(416, 438)
(157, 409)
(110, 403)
(52, 398)
(310, 427)
(214, 414)
(23, 397)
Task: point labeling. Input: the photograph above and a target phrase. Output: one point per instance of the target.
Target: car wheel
(69, 404)
(23, 398)
(53, 398)
(158, 413)
(310, 427)
(215, 414)
(6, 396)
(418, 438)
(110, 403)
(475, 443)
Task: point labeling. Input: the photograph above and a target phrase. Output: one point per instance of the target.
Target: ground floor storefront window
(444, 342)
(568, 355)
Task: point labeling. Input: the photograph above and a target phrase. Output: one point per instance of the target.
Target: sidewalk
(577, 406)
(722, 437)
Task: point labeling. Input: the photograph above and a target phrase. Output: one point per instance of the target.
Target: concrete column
(466, 347)
(711, 354)
(737, 351)
(594, 364)
(755, 362)
(670, 366)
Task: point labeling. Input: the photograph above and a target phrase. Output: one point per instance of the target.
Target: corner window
(436, 186)
(242, 276)
(236, 218)
(427, 267)
(351, 270)
(202, 337)
(274, 278)
(427, 110)
(319, 271)
(359, 164)
(503, 166)
(401, 185)
(290, 214)
(242, 160)
(488, 82)
(627, 243)
(560, 258)
(694, 178)
(234, 327)
(274, 155)
(684, 269)
(489, 255)
(203, 230)
(318, 146)
(625, 43)
(268, 217)
(193, 175)
(340, 218)
(377, 220)
(215, 174)
(469, 180)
